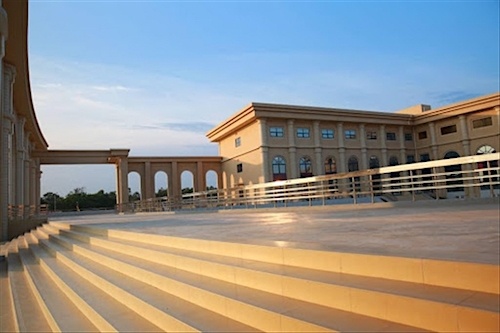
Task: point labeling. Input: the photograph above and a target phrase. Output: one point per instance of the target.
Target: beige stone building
(267, 142)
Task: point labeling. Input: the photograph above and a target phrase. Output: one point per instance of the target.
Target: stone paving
(450, 230)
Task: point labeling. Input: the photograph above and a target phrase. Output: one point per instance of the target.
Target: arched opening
(211, 180)
(305, 167)
(353, 165)
(393, 161)
(375, 164)
(486, 174)
(453, 173)
(187, 182)
(330, 166)
(161, 184)
(134, 186)
(279, 168)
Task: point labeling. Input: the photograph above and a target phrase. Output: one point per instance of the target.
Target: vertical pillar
(38, 177)
(123, 179)
(148, 182)
(464, 131)
(20, 161)
(362, 138)
(342, 164)
(318, 151)
(292, 156)
(383, 146)
(402, 148)
(6, 117)
(176, 188)
(200, 185)
(266, 167)
(434, 147)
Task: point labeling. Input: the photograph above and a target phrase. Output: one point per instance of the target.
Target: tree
(161, 192)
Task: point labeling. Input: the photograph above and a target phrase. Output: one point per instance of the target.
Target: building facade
(267, 142)
(20, 133)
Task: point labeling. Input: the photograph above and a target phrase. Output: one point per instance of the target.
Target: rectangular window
(276, 132)
(448, 129)
(237, 142)
(350, 134)
(422, 135)
(483, 122)
(425, 158)
(239, 167)
(408, 137)
(303, 132)
(410, 159)
(390, 136)
(371, 135)
(327, 133)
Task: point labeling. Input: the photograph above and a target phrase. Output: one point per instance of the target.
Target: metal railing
(464, 177)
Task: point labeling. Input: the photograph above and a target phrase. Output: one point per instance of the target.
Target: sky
(155, 76)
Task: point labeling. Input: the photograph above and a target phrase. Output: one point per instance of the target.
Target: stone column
(6, 118)
(266, 167)
(434, 147)
(176, 189)
(362, 139)
(402, 148)
(318, 151)
(342, 167)
(147, 185)
(465, 135)
(123, 179)
(292, 156)
(20, 161)
(383, 146)
(38, 174)
(200, 184)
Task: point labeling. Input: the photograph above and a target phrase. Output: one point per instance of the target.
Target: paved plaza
(450, 230)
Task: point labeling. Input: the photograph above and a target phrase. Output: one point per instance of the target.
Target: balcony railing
(463, 177)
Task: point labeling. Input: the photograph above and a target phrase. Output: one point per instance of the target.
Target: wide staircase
(70, 278)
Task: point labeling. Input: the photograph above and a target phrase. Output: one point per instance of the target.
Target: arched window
(393, 161)
(305, 167)
(485, 179)
(352, 164)
(330, 166)
(374, 163)
(279, 168)
(453, 172)
(486, 149)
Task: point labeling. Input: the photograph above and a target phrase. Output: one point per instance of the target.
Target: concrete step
(386, 299)
(63, 313)
(161, 308)
(29, 315)
(451, 274)
(83, 278)
(107, 314)
(8, 320)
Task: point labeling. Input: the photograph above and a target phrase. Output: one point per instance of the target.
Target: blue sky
(155, 76)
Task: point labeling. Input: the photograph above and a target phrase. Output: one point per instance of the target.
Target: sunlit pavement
(456, 230)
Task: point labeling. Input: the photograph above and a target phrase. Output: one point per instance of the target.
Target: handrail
(463, 177)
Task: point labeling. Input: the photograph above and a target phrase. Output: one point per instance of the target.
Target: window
(408, 137)
(410, 159)
(422, 135)
(483, 122)
(374, 163)
(350, 134)
(327, 133)
(390, 136)
(330, 166)
(279, 168)
(425, 158)
(393, 160)
(237, 142)
(239, 167)
(448, 129)
(276, 132)
(305, 167)
(303, 132)
(352, 164)
(371, 135)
